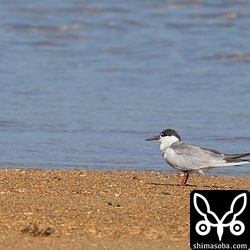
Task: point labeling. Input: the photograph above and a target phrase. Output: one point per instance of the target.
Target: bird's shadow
(178, 185)
(169, 184)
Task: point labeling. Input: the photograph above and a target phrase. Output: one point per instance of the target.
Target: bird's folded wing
(182, 148)
(235, 156)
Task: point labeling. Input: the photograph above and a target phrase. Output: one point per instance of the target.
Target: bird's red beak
(153, 138)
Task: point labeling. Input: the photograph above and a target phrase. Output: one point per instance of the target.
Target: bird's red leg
(184, 181)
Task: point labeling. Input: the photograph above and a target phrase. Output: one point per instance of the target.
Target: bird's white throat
(167, 141)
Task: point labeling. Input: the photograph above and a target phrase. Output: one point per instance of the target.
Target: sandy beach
(99, 209)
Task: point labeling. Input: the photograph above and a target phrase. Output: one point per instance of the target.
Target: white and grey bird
(189, 158)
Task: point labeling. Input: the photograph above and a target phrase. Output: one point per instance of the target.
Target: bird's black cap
(169, 132)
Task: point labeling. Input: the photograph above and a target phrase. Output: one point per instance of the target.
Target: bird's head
(166, 137)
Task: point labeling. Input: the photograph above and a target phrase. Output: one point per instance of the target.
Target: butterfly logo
(203, 227)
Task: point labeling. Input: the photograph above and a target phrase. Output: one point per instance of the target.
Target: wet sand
(99, 209)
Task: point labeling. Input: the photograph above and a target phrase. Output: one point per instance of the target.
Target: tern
(190, 158)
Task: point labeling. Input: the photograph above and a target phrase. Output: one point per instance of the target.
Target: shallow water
(83, 83)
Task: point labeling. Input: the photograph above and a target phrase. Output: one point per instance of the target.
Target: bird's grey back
(189, 156)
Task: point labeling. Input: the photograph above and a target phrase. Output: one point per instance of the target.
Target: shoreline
(90, 209)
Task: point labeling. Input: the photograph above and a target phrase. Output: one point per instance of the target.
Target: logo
(203, 227)
(219, 218)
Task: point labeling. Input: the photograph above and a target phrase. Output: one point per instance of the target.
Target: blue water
(83, 83)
